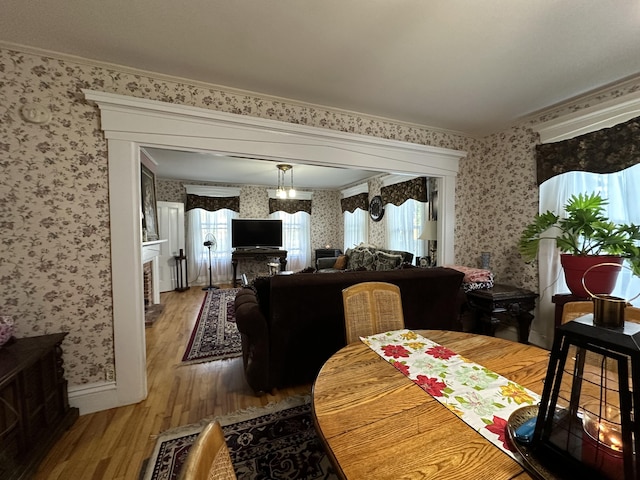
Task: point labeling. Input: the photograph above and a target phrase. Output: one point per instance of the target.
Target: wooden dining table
(378, 424)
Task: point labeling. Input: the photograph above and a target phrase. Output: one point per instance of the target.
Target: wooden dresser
(34, 405)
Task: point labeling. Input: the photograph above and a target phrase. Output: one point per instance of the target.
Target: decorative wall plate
(376, 208)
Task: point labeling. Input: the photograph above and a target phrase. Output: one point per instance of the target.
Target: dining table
(376, 423)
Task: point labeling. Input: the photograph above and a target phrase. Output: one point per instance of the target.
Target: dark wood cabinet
(34, 405)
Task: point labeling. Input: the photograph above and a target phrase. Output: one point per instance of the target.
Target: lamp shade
(429, 231)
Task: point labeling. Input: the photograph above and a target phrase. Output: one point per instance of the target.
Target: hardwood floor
(113, 444)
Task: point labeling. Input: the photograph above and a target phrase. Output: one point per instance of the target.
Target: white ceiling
(242, 171)
(469, 66)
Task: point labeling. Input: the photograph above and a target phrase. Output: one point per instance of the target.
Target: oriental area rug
(215, 335)
(274, 442)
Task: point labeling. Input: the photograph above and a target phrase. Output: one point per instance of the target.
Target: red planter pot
(599, 280)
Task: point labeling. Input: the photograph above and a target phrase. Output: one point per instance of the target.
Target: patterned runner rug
(274, 442)
(215, 335)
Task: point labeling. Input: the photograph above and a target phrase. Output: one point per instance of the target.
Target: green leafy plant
(584, 231)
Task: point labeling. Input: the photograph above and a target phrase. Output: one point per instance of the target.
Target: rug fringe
(239, 415)
(196, 361)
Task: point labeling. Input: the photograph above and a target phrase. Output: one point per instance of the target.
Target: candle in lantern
(602, 446)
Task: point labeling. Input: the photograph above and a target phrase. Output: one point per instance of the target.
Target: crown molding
(590, 119)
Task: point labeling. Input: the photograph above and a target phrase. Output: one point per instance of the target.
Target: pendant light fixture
(283, 191)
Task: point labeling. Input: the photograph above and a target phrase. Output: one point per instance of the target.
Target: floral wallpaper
(55, 271)
(326, 218)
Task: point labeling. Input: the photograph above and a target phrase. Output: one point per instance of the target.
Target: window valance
(398, 193)
(212, 204)
(604, 151)
(289, 205)
(349, 204)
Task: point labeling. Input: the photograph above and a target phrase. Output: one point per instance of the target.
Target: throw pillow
(369, 260)
(341, 262)
(386, 261)
(356, 259)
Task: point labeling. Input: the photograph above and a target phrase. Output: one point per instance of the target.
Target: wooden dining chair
(370, 308)
(573, 310)
(208, 457)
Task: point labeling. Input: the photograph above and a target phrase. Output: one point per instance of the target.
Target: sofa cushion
(355, 258)
(387, 261)
(369, 259)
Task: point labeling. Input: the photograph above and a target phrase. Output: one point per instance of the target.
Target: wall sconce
(590, 406)
(282, 191)
(430, 233)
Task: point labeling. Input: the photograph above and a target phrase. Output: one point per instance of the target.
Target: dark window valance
(289, 205)
(349, 204)
(604, 151)
(398, 193)
(212, 204)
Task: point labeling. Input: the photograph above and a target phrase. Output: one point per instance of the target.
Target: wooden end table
(503, 304)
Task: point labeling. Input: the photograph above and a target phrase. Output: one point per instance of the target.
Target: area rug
(215, 335)
(274, 442)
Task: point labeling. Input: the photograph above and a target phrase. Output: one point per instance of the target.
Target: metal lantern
(591, 401)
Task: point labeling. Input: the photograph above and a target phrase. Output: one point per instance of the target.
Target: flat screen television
(256, 233)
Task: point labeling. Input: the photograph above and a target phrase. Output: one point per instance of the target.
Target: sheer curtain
(356, 228)
(404, 226)
(296, 238)
(620, 190)
(201, 223)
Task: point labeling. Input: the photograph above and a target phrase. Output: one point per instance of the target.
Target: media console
(257, 254)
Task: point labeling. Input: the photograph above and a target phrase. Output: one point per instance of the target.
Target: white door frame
(130, 123)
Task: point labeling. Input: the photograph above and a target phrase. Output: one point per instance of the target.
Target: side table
(503, 304)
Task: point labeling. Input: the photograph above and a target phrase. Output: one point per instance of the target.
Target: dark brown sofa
(294, 323)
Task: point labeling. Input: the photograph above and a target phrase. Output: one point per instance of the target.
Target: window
(202, 226)
(404, 226)
(356, 229)
(296, 238)
(619, 189)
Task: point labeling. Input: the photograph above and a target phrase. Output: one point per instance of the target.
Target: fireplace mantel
(150, 253)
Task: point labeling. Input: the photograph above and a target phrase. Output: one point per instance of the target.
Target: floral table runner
(480, 397)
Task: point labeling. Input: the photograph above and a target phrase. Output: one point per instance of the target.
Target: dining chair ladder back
(208, 458)
(573, 310)
(370, 308)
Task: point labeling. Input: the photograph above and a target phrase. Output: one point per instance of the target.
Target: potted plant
(585, 237)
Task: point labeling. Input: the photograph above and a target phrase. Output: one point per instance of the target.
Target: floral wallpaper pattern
(55, 271)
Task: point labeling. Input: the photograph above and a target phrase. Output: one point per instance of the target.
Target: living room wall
(326, 217)
(55, 259)
(55, 263)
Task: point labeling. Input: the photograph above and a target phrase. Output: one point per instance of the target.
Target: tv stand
(259, 254)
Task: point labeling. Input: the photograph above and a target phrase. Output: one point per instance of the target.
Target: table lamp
(430, 233)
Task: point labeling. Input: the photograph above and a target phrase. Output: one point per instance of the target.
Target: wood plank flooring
(113, 444)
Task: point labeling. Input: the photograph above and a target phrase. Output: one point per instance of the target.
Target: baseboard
(94, 397)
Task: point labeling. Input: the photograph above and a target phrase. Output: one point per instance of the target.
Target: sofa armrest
(254, 333)
(325, 262)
